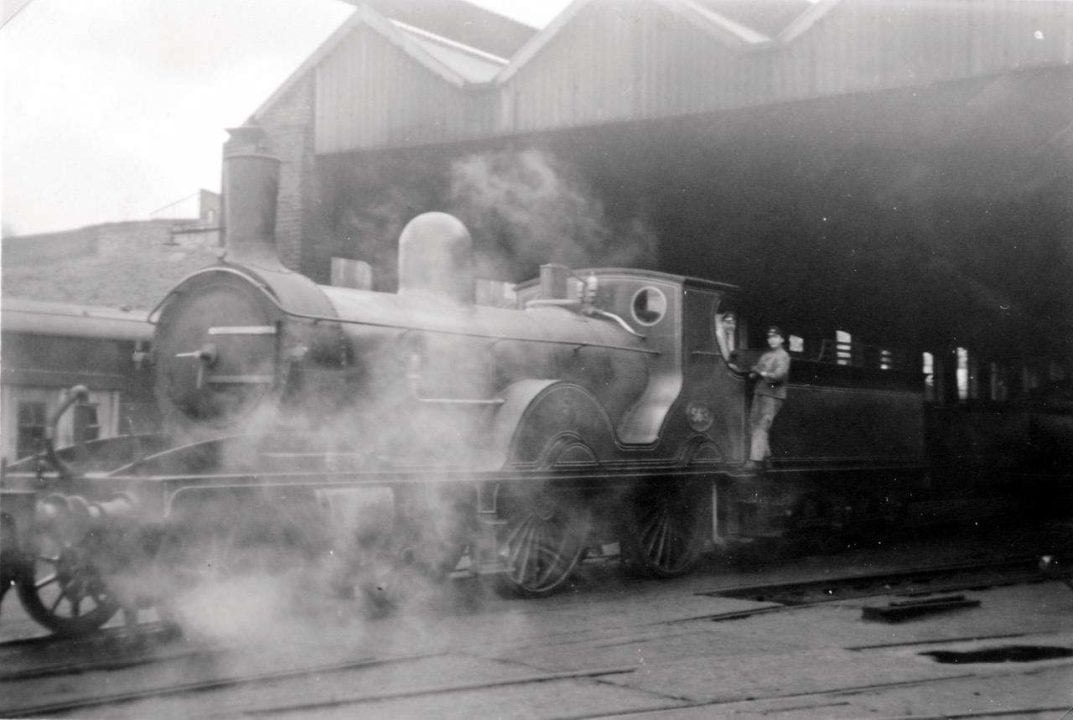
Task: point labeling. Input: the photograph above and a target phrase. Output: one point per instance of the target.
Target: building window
(967, 376)
(31, 427)
(844, 347)
(963, 373)
(929, 377)
(999, 389)
(1029, 379)
(86, 424)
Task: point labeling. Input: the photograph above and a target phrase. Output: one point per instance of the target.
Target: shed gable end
(626, 61)
(371, 93)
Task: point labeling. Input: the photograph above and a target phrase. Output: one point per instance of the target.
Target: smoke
(523, 208)
(258, 578)
(526, 208)
(253, 564)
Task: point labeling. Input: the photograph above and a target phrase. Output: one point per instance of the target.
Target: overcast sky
(113, 109)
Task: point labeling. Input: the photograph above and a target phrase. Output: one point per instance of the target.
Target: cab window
(728, 331)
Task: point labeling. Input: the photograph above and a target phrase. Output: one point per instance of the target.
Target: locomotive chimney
(250, 189)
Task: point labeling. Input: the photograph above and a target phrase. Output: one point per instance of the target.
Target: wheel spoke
(526, 550)
(47, 580)
(516, 543)
(535, 554)
(539, 552)
(525, 544)
(65, 592)
(545, 551)
(661, 534)
(661, 551)
(542, 542)
(515, 531)
(650, 537)
(675, 541)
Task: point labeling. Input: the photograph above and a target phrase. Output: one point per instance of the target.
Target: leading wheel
(218, 549)
(64, 590)
(541, 541)
(664, 528)
(435, 527)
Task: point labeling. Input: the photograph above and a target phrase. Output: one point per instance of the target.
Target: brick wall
(208, 208)
(106, 239)
(116, 264)
(46, 247)
(289, 125)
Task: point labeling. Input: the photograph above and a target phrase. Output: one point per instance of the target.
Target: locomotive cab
(691, 406)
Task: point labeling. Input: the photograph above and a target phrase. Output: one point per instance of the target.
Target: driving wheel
(541, 540)
(664, 528)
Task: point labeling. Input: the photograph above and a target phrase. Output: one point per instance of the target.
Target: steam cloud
(284, 562)
(528, 208)
(388, 550)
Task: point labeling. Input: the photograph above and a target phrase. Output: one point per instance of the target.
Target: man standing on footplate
(770, 373)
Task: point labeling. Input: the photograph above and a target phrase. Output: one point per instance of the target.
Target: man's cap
(775, 330)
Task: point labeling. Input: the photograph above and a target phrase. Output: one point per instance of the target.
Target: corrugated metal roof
(372, 92)
(460, 21)
(722, 28)
(453, 61)
(768, 17)
(616, 60)
(472, 64)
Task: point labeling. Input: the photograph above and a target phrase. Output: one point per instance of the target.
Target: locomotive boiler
(422, 427)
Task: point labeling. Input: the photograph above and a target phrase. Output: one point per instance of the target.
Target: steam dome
(436, 256)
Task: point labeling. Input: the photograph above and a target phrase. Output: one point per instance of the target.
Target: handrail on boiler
(153, 317)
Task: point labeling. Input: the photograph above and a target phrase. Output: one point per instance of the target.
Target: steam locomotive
(421, 427)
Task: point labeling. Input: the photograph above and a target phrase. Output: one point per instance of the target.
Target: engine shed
(886, 175)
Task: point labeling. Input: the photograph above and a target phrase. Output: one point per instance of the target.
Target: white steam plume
(526, 208)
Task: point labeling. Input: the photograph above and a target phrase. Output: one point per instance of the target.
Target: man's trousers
(763, 413)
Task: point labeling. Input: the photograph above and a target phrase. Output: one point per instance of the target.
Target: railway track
(813, 701)
(775, 597)
(917, 582)
(118, 647)
(820, 704)
(118, 698)
(110, 648)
